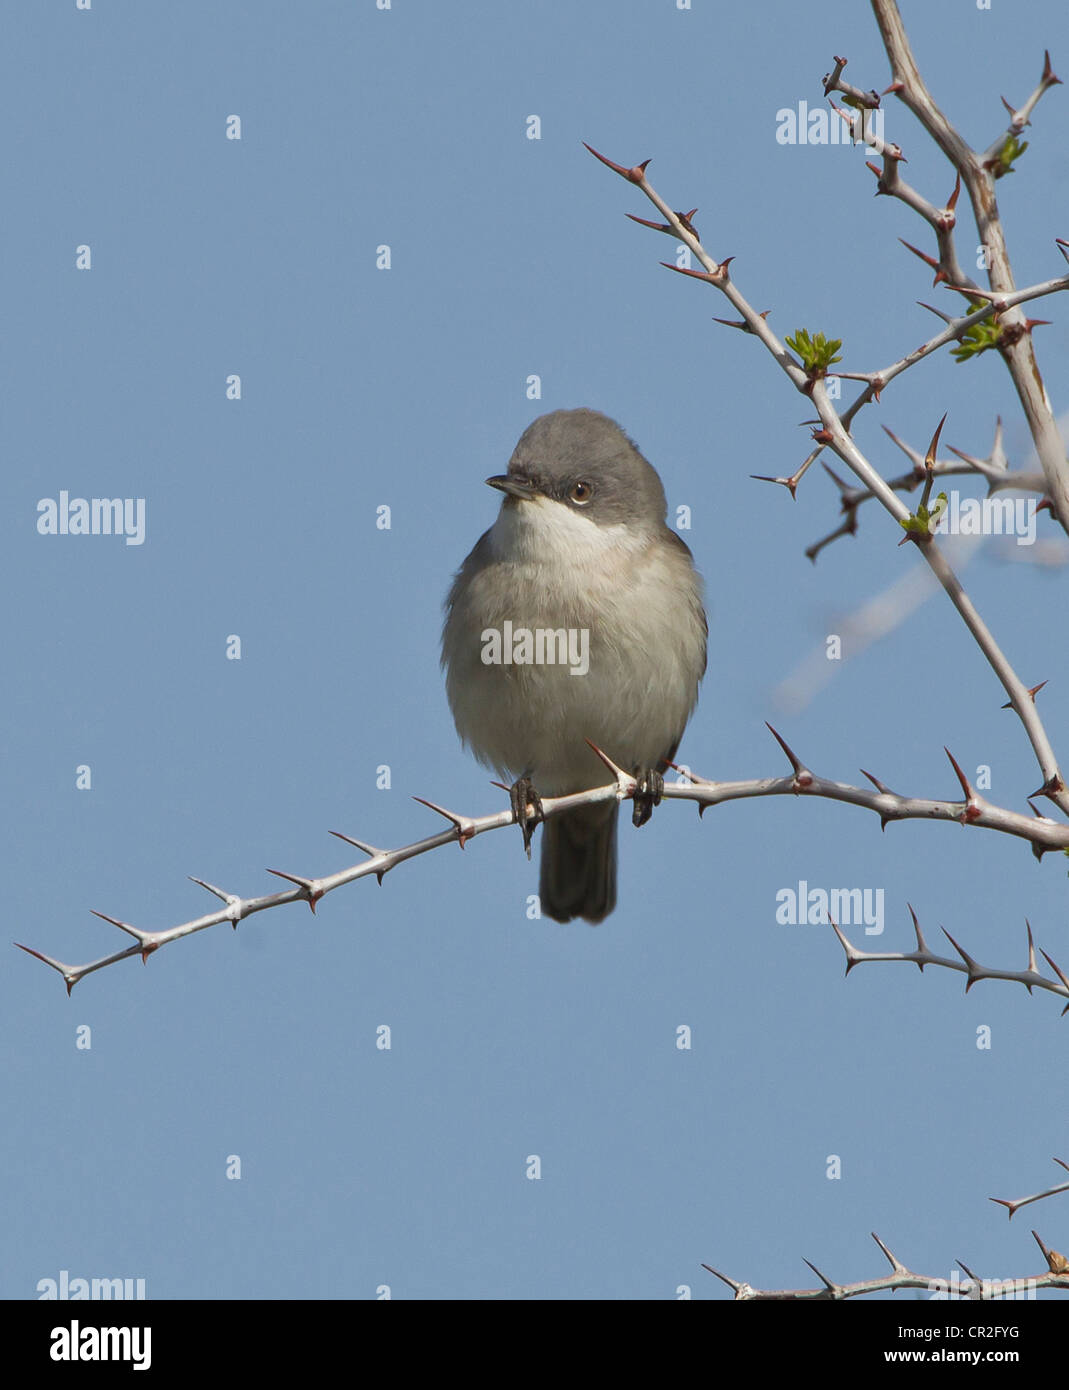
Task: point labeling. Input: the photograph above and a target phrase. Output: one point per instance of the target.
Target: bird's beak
(513, 486)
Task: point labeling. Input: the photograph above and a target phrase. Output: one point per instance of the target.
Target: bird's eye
(581, 492)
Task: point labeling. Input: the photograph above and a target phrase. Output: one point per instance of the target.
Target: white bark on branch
(979, 172)
(1056, 1276)
(1042, 833)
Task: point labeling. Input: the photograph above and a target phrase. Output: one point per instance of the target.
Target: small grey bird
(577, 616)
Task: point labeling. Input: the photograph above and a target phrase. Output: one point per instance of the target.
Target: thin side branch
(1056, 1276)
(1030, 977)
(1019, 1202)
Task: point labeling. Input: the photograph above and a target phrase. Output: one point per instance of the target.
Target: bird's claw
(648, 794)
(524, 797)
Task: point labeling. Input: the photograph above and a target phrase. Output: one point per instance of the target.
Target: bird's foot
(647, 794)
(524, 798)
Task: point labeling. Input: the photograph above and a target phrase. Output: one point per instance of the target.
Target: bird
(577, 618)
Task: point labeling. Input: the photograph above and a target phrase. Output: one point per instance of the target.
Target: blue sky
(360, 387)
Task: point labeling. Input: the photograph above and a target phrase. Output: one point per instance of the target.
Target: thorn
(802, 776)
(1057, 970)
(1010, 1206)
(972, 811)
(684, 222)
(933, 310)
(368, 849)
(966, 458)
(232, 901)
(852, 957)
(975, 970)
(1063, 246)
(1048, 79)
(465, 829)
(626, 784)
(952, 201)
(940, 274)
(70, 978)
(138, 936)
(310, 886)
(894, 87)
(896, 1263)
(922, 945)
(692, 777)
(791, 484)
(832, 1288)
(880, 786)
(1056, 1263)
(695, 274)
(724, 1278)
(1032, 692)
(840, 483)
(1031, 952)
(741, 323)
(224, 897)
(929, 458)
(645, 222)
(635, 175)
(1051, 787)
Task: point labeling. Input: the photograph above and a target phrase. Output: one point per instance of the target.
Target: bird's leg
(647, 794)
(523, 797)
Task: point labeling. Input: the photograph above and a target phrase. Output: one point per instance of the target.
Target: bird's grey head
(583, 460)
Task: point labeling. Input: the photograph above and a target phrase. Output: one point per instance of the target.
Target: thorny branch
(979, 172)
(1003, 302)
(995, 469)
(1019, 1202)
(833, 429)
(1042, 833)
(1055, 1277)
(922, 956)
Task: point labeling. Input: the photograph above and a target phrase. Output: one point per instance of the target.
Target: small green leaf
(817, 353)
(979, 337)
(923, 521)
(1011, 150)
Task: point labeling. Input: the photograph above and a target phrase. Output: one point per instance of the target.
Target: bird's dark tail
(578, 873)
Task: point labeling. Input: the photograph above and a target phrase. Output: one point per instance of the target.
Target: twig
(922, 956)
(1056, 1277)
(1019, 1202)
